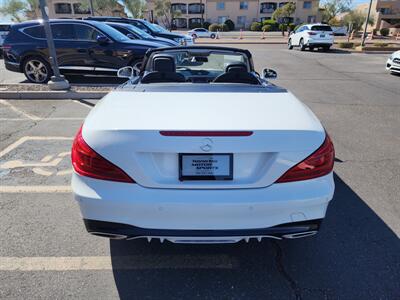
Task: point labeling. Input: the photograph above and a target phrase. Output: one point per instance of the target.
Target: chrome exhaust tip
(300, 234)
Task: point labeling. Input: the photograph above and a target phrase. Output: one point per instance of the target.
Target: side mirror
(269, 74)
(102, 40)
(127, 72)
(131, 36)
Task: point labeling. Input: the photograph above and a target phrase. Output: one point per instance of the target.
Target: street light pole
(202, 13)
(91, 8)
(366, 24)
(57, 81)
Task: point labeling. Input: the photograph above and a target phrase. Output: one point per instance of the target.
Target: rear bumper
(205, 210)
(124, 231)
(319, 42)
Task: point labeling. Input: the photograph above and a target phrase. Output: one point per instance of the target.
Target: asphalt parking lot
(45, 252)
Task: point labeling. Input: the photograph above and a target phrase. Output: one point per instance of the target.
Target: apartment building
(75, 10)
(242, 13)
(388, 15)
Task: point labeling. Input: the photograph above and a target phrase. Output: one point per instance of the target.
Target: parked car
(393, 63)
(83, 47)
(312, 36)
(201, 33)
(152, 29)
(4, 30)
(199, 148)
(135, 33)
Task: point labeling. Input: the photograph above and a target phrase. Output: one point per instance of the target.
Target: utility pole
(57, 81)
(202, 13)
(366, 24)
(91, 8)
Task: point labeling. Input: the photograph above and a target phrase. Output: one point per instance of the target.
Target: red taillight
(6, 47)
(88, 163)
(311, 33)
(318, 164)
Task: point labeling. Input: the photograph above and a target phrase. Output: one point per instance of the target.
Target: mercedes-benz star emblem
(206, 145)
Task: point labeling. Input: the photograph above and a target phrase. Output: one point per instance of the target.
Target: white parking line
(20, 112)
(19, 189)
(134, 262)
(31, 138)
(46, 119)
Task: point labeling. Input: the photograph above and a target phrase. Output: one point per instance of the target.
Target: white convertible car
(199, 148)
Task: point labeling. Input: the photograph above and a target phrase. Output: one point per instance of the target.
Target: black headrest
(164, 63)
(237, 67)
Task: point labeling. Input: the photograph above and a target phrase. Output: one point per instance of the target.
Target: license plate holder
(205, 166)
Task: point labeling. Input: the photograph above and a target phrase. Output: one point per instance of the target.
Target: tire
(37, 69)
(194, 36)
(212, 36)
(301, 45)
(326, 48)
(311, 48)
(289, 44)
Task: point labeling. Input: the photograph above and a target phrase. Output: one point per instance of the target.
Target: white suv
(312, 36)
(201, 33)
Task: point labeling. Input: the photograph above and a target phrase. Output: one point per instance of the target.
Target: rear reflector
(318, 164)
(87, 162)
(206, 133)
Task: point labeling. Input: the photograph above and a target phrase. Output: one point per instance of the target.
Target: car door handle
(82, 50)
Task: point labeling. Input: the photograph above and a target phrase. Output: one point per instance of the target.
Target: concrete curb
(74, 95)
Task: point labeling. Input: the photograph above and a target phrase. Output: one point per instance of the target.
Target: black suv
(83, 47)
(152, 29)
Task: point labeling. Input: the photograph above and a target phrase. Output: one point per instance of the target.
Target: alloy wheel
(36, 71)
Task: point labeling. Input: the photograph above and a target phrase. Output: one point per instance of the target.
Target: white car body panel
(393, 63)
(285, 132)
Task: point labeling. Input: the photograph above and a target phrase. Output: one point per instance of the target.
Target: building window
(283, 4)
(222, 19)
(307, 4)
(179, 7)
(385, 11)
(79, 9)
(244, 5)
(220, 5)
(311, 19)
(179, 23)
(267, 7)
(62, 8)
(241, 20)
(196, 8)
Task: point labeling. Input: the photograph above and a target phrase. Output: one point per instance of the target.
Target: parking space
(45, 251)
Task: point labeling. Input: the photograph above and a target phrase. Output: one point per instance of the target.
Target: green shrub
(230, 24)
(274, 24)
(346, 45)
(378, 44)
(206, 25)
(292, 26)
(214, 27)
(256, 26)
(223, 27)
(282, 27)
(266, 28)
(384, 31)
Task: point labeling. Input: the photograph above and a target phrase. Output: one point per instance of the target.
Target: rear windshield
(321, 28)
(5, 27)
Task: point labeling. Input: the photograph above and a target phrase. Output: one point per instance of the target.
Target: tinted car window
(86, 33)
(35, 31)
(321, 28)
(63, 31)
(140, 26)
(5, 27)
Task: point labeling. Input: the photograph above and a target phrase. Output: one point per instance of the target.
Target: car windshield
(156, 28)
(138, 31)
(200, 63)
(113, 33)
(321, 28)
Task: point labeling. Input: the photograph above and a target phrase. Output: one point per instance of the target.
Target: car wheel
(212, 36)
(326, 48)
(289, 44)
(301, 45)
(194, 36)
(311, 48)
(37, 70)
